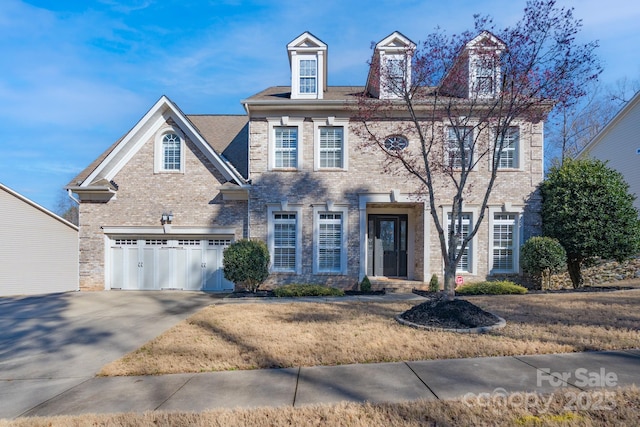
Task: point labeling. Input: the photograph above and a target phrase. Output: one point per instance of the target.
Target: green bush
(541, 257)
(588, 207)
(491, 288)
(246, 262)
(365, 285)
(306, 290)
(434, 286)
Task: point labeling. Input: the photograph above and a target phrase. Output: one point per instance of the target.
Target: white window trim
(329, 207)
(333, 122)
(518, 157)
(475, 65)
(473, 250)
(295, 75)
(517, 237)
(158, 164)
(285, 208)
(474, 137)
(385, 59)
(273, 123)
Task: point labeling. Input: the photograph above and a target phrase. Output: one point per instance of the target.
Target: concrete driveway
(51, 343)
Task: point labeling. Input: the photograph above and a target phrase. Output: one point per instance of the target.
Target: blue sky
(76, 75)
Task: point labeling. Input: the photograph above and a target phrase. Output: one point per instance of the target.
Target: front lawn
(254, 335)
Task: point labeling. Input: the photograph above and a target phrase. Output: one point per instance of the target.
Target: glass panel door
(388, 233)
(387, 245)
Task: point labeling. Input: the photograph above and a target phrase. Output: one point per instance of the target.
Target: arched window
(171, 146)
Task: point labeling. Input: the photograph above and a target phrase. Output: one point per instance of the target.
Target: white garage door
(193, 263)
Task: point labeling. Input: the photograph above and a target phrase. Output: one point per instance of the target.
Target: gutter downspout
(70, 194)
(246, 108)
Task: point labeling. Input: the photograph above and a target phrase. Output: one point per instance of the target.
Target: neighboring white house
(39, 250)
(619, 144)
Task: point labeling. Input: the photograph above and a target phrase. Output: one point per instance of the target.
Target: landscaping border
(479, 330)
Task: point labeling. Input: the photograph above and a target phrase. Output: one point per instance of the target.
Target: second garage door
(154, 264)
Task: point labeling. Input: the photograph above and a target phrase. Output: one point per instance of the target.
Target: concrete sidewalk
(381, 382)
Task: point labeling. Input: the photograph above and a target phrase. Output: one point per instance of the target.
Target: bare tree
(572, 126)
(67, 208)
(460, 99)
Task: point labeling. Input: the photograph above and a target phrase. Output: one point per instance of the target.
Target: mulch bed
(455, 314)
(247, 294)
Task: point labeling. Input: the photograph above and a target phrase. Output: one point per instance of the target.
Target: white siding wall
(38, 250)
(619, 144)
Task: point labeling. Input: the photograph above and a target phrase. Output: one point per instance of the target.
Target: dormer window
(485, 77)
(394, 75)
(484, 65)
(390, 72)
(308, 75)
(307, 56)
(476, 73)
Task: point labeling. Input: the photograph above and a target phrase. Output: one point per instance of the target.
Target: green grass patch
(306, 290)
(491, 288)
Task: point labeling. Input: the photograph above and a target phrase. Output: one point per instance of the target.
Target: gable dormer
(476, 73)
(390, 69)
(308, 60)
(484, 65)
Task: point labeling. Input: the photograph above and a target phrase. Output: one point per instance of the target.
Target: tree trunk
(573, 265)
(449, 283)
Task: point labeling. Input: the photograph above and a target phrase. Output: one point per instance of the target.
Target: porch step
(398, 286)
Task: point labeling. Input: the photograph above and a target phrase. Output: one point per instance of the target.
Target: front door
(387, 246)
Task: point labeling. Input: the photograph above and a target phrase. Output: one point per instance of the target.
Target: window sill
(169, 171)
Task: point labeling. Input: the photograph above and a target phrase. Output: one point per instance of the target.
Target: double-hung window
(509, 154)
(331, 146)
(329, 242)
(285, 142)
(504, 240)
(485, 77)
(459, 146)
(330, 238)
(463, 228)
(284, 241)
(308, 75)
(286, 147)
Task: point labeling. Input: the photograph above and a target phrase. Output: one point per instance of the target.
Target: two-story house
(158, 208)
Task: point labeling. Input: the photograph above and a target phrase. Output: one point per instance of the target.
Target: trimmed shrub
(365, 285)
(306, 290)
(491, 288)
(434, 286)
(541, 257)
(246, 262)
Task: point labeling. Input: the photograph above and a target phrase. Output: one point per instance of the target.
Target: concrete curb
(479, 330)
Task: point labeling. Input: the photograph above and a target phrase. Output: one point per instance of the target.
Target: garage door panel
(211, 271)
(194, 269)
(118, 266)
(132, 267)
(165, 268)
(149, 267)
